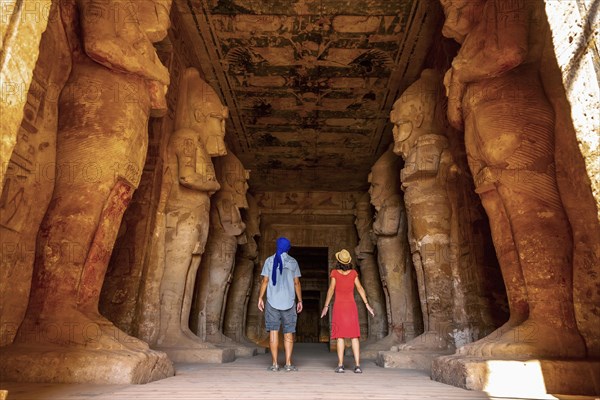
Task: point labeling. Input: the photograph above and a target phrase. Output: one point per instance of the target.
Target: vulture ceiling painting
(309, 83)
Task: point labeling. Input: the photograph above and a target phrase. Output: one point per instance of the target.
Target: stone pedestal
(526, 377)
(199, 356)
(239, 349)
(409, 359)
(368, 354)
(22, 363)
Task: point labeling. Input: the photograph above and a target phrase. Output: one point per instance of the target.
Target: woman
(344, 323)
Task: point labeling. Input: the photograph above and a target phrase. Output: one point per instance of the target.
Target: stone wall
(570, 75)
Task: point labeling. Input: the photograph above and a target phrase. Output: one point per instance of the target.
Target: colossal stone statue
(393, 255)
(495, 93)
(115, 84)
(419, 140)
(29, 179)
(234, 322)
(191, 180)
(226, 232)
(365, 253)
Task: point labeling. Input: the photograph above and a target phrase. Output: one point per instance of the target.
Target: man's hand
(261, 305)
(299, 307)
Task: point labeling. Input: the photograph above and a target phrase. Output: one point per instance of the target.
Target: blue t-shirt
(282, 295)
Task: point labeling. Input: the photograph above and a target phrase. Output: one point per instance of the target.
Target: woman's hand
(370, 309)
(324, 312)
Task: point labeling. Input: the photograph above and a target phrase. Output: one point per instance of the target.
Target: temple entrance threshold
(248, 378)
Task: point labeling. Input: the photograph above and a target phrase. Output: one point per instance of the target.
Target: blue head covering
(283, 246)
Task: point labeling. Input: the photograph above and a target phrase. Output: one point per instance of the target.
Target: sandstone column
(190, 179)
(116, 83)
(367, 259)
(393, 254)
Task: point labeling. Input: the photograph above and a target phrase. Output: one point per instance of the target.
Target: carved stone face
(376, 190)
(209, 119)
(404, 116)
(384, 179)
(236, 181)
(461, 16)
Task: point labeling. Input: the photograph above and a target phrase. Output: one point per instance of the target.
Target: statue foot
(475, 348)
(428, 341)
(220, 339)
(532, 339)
(86, 329)
(385, 343)
(182, 340)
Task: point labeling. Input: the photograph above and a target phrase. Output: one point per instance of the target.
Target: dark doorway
(314, 268)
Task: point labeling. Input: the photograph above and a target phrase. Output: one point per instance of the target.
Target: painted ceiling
(309, 84)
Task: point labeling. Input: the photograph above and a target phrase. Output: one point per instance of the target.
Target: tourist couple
(281, 282)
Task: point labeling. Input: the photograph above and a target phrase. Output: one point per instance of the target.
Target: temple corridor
(440, 158)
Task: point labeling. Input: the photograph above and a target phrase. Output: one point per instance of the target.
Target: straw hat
(343, 256)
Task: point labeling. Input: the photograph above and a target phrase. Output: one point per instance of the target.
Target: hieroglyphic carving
(308, 202)
(22, 23)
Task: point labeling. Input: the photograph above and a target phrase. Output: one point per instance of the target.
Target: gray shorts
(274, 318)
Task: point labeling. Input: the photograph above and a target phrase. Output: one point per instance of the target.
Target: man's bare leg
(274, 345)
(288, 345)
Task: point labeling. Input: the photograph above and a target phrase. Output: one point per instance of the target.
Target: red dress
(344, 323)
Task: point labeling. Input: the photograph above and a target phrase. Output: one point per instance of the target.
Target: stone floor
(248, 379)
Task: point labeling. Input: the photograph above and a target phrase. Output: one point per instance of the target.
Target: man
(281, 275)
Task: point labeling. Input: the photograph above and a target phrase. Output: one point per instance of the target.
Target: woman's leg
(356, 350)
(340, 351)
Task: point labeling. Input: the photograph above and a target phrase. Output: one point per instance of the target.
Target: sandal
(340, 369)
(273, 368)
(357, 370)
(290, 367)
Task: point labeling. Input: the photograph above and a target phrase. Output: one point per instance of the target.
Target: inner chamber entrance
(314, 268)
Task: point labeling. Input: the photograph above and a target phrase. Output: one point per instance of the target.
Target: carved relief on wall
(21, 32)
(308, 202)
